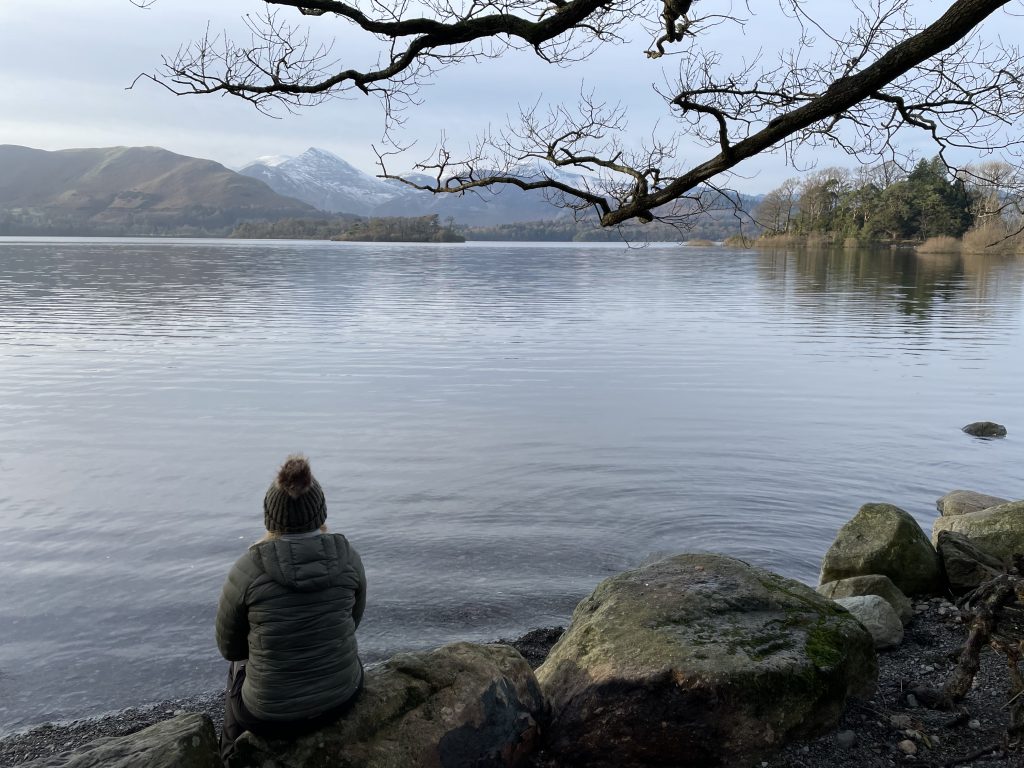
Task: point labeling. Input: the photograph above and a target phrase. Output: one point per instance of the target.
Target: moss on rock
(700, 659)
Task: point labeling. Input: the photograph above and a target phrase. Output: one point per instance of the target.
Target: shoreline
(888, 729)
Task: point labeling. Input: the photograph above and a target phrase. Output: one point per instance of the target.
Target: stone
(965, 502)
(884, 539)
(878, 618)
(458, 705)
(931, 697)
(846, 739)
(703, 660)
(985, 429)
(186, 741)
(908, 747)
(998, 531)
(875, 584)
(966, 565)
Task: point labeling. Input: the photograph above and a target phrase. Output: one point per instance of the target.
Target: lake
(497, 428)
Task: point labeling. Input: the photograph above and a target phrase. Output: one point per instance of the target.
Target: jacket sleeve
(360, 606)
(233, 613)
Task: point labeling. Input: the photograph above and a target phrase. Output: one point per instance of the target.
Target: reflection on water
(497, 427)
(918, 285)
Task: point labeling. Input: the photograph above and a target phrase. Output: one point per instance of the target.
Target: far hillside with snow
(330, 183)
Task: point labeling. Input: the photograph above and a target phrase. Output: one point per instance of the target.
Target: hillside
(129, 191)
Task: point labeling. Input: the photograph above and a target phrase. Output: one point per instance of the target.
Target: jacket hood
(305, 565)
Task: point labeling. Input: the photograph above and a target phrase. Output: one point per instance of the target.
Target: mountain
(324, 180)
(129, 190)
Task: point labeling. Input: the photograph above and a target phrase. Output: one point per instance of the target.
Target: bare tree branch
(883, 76)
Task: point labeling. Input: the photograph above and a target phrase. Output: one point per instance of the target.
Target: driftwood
(994, 612)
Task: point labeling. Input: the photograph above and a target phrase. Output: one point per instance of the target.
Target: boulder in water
(985, 429)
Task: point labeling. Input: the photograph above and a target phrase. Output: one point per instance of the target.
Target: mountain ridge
(129, 190)
(115, 191)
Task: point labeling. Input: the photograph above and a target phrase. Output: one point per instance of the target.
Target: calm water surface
(497, 428)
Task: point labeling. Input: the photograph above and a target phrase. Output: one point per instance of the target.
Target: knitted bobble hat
(295, 501)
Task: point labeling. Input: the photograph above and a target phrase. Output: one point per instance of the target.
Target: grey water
(497, 428)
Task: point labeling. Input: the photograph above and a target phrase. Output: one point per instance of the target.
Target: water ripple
(497, 428)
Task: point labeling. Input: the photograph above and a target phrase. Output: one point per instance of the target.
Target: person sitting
(287, 618)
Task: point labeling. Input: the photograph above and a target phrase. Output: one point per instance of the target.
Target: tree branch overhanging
(884, 76)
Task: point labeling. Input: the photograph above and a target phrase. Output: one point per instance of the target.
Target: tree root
(995, 614)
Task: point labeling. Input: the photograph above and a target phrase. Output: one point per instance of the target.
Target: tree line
(883, 202)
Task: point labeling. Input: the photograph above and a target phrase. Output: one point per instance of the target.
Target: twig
(973, 755)
(1017, 696)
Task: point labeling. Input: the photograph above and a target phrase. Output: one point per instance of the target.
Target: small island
(382, 229)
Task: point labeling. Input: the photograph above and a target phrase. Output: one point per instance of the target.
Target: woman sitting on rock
(288, 615)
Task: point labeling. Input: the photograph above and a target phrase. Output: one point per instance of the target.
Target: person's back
(289, 610)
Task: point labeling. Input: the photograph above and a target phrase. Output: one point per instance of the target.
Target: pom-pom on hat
(295, 501)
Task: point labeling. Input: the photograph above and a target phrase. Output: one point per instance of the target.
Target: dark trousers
(238, 719)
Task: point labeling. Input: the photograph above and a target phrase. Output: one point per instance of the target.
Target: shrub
(991, 238)
(940, 244)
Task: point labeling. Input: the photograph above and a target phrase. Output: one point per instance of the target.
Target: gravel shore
(891, 728)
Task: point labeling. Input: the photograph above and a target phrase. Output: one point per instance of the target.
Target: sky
(67, 66)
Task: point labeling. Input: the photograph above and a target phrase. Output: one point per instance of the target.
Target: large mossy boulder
(884, 539)
(187, 741)
(876, 584)
(700, 660)
(997, 531)
(459, 705)
(962, 502)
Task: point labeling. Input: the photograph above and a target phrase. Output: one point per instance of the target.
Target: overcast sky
(66, 65)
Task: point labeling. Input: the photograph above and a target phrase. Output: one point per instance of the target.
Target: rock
(998, 531)
(966, 565)
(985, 429)
(883, 539)
(187, 741)
(462, 704)
(965, 502)
(908, 747)
(535, 644)
(878, 618)
(700, 660)
(874, 584)
(930, 697)
(846, 739)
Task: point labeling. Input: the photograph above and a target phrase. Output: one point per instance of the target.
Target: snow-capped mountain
(324, 180)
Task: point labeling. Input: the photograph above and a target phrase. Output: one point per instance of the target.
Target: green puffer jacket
(291, 607)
